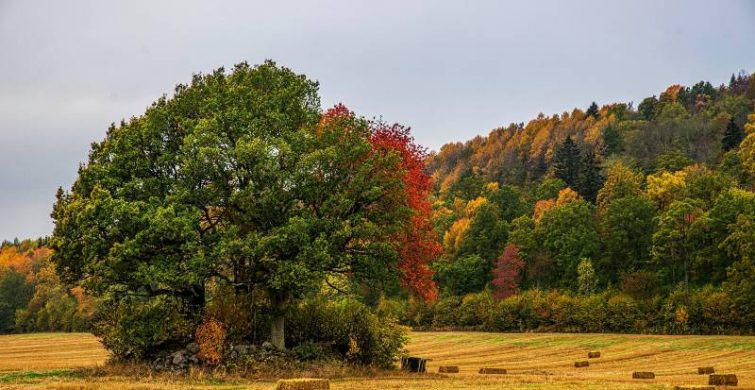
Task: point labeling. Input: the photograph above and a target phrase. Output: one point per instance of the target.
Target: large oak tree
(236, 179)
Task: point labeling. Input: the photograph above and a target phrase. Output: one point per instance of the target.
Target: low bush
(350, 329)
(210, 336)
(706, 310)
(135, 329)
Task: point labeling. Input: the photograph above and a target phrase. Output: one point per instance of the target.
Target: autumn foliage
(506, 275)
(418, 244)
(210, 337)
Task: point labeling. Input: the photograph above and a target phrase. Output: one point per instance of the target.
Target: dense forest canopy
(639, 200)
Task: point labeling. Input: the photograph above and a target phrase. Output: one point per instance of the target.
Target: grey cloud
(449, 69)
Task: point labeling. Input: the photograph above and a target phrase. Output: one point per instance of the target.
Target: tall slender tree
(593, 110)
(733, 136)
(566, 162)
(590, 179)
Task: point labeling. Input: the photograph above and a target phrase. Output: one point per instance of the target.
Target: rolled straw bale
(303, 384)
(491, 370)
(448, 369)
(722, 380)
(643, 375)
(584, 363)
(694, 387)
(593, 355)
(705, 370)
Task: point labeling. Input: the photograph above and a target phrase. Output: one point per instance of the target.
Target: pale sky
(449, 69)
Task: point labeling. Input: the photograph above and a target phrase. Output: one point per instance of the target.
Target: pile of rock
(182, 359)
(264, 353)
(178, 360)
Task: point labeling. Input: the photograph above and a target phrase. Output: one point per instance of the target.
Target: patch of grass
(578, 341)
(715, 344)
(35, 376)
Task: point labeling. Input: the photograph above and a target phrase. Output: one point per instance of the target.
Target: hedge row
(703, 311)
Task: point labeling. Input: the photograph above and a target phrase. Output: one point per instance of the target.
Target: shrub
(446, 311)
(507, 315)
(707, 310)
(353, 331)
(477, 310)
(134, 329)
(210, 336)
(622, 313)
(308, 350)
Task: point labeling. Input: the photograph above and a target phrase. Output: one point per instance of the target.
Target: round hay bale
(643, 375)
(448, 369)
(694, 387)
(723, 380)
(303, 384)
(494, 371)
(705, 370)
(593, 355)
(584, 363)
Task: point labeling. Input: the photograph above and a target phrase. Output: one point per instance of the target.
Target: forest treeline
(32, 296)
(642, 202)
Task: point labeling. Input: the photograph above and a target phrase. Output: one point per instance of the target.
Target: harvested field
(533, 361)
(50, 351)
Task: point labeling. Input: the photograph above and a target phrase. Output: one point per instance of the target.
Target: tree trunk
(277, 332)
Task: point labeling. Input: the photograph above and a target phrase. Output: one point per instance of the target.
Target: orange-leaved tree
(418, 243)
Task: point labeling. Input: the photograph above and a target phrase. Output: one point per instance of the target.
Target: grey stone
(178, 358)
(192, 348)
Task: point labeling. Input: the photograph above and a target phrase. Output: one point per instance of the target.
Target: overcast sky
(449, 69)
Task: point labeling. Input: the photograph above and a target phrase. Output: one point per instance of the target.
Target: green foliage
(706, 310)
(678, 236)
(240, 179)
(733, 136)
(593, 110)
(672, 161)
(509, 201)
(647, 108)
(133, 328)
(620, 182)
(549, 189)
(566, 162)
(53, 308)
(308, 351)
(626, 230)
(589, 179)
(568, 233)
(486, 235)
(612, 141)
(348, 328)
(463, 275)
(586, 278)
(15, 292)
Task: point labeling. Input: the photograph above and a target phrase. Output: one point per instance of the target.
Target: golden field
(533, 361)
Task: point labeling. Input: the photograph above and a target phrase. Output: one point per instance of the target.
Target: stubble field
(533, 361)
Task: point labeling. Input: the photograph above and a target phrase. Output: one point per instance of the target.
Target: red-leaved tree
(507, 272)
(418, 243)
